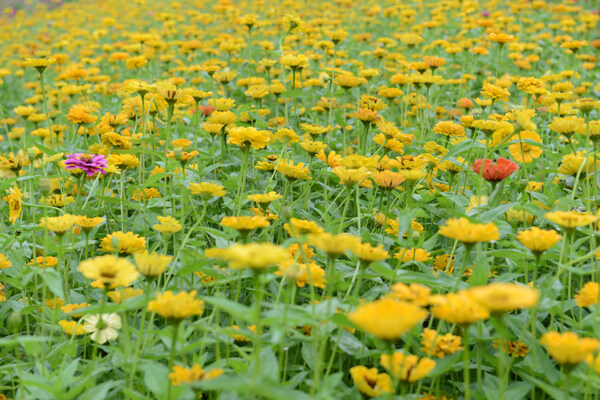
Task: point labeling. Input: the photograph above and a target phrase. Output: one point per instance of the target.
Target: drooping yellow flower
(119, 296)
(87, 223)
(503, 297)
(468, 232)
(370, 382)
(109, 271)
(387, 319)
(151, 264)
(350, 176)
(568, 348)
(333, 245)
(570, 220)
(368, 254)
(538, 240)
(458, 308)
(407, 368)
(167, 225)
(176, 307)
(256, 256)
(245, 224)
(207, 190)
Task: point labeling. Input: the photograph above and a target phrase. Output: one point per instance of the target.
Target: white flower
(104, 329)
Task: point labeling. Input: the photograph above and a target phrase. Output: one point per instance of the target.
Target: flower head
(407, 368)
(103, 327)
(370, 382)
(387, 319)
(494, 172)
(538, 240)
(568, 348)
(468, 232)
(109, 271)
(176, 307)
(89, 163)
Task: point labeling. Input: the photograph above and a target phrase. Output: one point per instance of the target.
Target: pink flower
(90, 163)
(503, 168)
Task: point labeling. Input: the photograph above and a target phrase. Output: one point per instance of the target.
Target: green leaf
(236, 310)
(53, 280)
(156, 378)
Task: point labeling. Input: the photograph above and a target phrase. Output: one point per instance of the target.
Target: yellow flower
(458, 308)
(525, 152)
(293, 172)
(303, 273)
(14, 203)
(256, 256)
(69, 308)
(87, 223)
(247, 137)
(44, 262)
(494, 92)
(350, 176)
(387, 180)
(245, 224)
(151, 265)
(437, 345)
(109, 271)
(412, 254)
(501, 38)
(368, 254)
(298, 227)
(119, 296)
(127, 243)
(516, 349)
(333, 245)
(207, 190)
(168, 225)
(387, 319)
(570, 220)
(72, 328)
(58, 225)
(57, 200)
(294, 61)
(370, 382)
(588, 295)
(176, 307)
(413, 293)
(40, 64)
(4, 262)
(566, 126)
(296, 24)
(407, 368)
(263, 200)
(468, 232)
(503, 297)
(594, 362)
(181, 375)
(538, 240)
(568, 348)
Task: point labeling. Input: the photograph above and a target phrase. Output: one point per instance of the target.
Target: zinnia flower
(89, 163)
(494, 172)
(468, 232)
(568, 348)
(102, 327)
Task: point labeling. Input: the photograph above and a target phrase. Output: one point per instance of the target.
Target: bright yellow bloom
(333, 245)
(14, 203)
(568, 348)
(58, 225)
(87, 223)
(247, 137)
(4, 262)
(525, 152)
(181, 375)
(458, 308)
(126, 243)
(245, 224)
(588, 295)
(503, 297)
(256, 256)
(109, 271)
(387, 319)
(413, 293)
(168, 225)
(176, 307)
(437, 345)
(571, 220)
(207, 190)
(151, 264)
(72, 328)
(407, 368)
(119, 296)
(368, 254)
(538, 240)
(263, 200)
(468, 232)
(412, 254)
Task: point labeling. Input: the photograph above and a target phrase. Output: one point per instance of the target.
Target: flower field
(299, 200)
